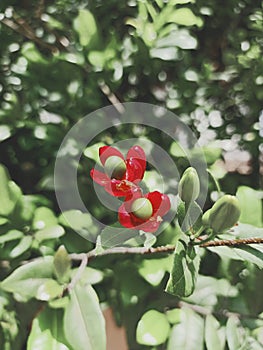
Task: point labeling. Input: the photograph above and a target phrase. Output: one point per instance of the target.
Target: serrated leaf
(26, 279)
(184, 271)
(189, 333)
(62, 264)
(152, 329)
(47, 332)
(84, 324)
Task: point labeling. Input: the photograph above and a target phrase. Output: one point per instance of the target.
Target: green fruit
(142, 208)
(115, 167)
(189, 186)
(205, 218)
(225, 213)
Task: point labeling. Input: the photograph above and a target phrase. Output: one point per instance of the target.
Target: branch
(163, 249)
(226, 313)
(232, 242)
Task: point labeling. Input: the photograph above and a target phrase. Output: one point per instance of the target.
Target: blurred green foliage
(59, 61)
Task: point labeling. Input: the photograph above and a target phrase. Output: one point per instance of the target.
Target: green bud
(115, 167)
(142, 208)
(205, 218)
(189, 185)
(225, 213)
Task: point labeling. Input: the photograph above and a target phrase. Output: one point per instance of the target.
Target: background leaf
(83, 321)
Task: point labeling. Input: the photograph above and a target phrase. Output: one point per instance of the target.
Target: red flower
(121, 176)
(144, 212)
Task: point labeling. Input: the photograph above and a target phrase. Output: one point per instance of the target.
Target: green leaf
(150, 239)
(214, 335)
(22, 247)
(90, 275)
(26, 279)
(10, 193)
(113, 236)
(50, 289)
(62, 264)
(208, 289)
(152, 329)
(11, 236)
(183, 16)
(86, 27)
(233, 336)
(190, 218)
(252, 254)
(174, 316)
(80, 222)
(47, 332)
(50, 233)
(184, 271)
(153, 270)
(189, 333)
(251, 206)
(92, 151)
(84, 324)
(5, 132)
(43, 218)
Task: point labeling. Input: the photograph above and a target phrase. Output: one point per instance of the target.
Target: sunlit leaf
(84, 324)
(152, 329)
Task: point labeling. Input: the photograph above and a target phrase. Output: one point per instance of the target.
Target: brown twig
(164, 249)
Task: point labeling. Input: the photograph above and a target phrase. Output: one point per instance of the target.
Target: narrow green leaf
(11, 236)
(62, 264)
(183, 16)
(184, 271)
(22, 247)
(10, 193)
(234, 339)
(47, 332)
(84, 324)
(189, 333)
(152, 329)
(214, 337)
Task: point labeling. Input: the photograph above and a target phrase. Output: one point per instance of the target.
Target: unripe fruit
(225, 213)
(142, 208)
(205, 218)
(189, 185)
(115, 167)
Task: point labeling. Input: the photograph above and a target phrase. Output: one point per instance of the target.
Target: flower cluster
(121, 178)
